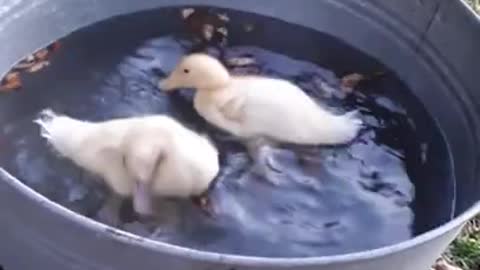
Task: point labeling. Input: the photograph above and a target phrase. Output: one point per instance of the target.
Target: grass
(475, 4)
(465, 250)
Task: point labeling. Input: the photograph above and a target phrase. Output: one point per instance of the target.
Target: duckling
(168, 160)
(138, 157)
(260, 110)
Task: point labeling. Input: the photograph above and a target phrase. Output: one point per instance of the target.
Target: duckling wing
(275, 105)
(234, 109)
(280, 110)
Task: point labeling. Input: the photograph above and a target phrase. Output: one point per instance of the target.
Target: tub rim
(213, 257)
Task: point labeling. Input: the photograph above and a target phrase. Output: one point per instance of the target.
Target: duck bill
(167, 85)
(142, 199)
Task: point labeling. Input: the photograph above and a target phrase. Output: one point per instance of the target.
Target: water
(331, 200)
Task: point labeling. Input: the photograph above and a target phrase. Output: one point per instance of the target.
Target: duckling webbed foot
(262, 155)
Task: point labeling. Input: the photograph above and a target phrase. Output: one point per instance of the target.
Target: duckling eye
(186, 71)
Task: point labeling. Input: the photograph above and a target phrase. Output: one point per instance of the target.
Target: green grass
(465, 250)
(475, 4)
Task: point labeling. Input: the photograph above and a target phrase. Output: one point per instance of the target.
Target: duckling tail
(339, 129)
(60, 131)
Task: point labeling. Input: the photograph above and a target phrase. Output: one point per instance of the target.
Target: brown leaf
(208, 31)
(204, 24)
(442, 264)
(31, 63)
(224, 17)
(350, 81)
(38, 66)
(12, 76)
(41, 54)
(54, 46)
(186, 12)
(22, 65)
(29, 58)
(223, 31)
(11, 82)
(204, 203)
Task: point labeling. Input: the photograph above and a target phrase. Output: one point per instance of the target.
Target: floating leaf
(351, 81)
(41, 54)
(54, 46)
(31, 63)
(206, 25)
(11, 82)
(38, 66)
(204, 203)
(22, 65)
(208, 31)
(186, 12)
(224, 17)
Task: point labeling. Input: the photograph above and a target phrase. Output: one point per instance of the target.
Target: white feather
(253, 106)
(188, 162)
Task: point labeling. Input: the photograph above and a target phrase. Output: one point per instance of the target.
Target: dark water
(333, 200)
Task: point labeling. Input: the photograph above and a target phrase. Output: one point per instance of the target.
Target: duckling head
(198, 71)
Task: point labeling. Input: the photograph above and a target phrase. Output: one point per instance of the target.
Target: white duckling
(258, 109)
(139, 157)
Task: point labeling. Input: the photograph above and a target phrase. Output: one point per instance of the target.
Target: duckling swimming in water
(138, 157)
(257, 109)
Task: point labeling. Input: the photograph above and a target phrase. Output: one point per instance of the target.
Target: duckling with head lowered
(138, 157)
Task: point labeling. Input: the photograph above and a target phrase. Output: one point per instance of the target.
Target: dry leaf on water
(54, 46)
(204, 24)
(11, 82)
(186, 12)
(38, 66)
(204, 203)
(31, 63)
(350, 81)
(38, 60)
(22, 65)
(41, 54)
(208, 31)
(224, 17)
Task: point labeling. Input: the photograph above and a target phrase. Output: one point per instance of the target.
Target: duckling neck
(207, 99)
(218, 85)
(217, 93)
